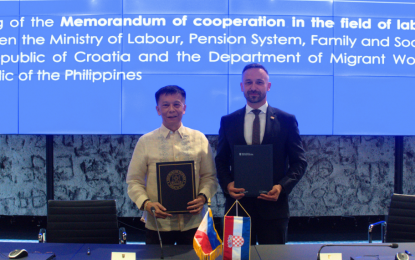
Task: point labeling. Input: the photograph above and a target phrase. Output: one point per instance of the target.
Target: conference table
(150, 252)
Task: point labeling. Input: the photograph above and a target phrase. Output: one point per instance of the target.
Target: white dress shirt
(163, 145)
(249, 122)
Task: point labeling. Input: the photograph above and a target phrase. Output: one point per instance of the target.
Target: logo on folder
(246, 154)
(176, 179)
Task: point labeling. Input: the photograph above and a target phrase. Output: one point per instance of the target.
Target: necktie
(256, 139)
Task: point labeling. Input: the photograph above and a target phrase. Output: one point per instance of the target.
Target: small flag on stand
(207, 242)
(237, 236)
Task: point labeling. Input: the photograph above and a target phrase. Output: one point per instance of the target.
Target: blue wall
(337, 94)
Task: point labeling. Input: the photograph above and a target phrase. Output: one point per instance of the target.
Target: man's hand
(273, 194)
(196, 205)
(160, 210)
(236, 193)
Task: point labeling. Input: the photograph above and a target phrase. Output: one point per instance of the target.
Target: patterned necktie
(256, 139)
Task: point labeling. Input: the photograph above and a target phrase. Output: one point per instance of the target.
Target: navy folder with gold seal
(176, 185)
(253, 168)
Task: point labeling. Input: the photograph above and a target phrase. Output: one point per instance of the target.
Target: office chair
(82, 221)
(400, 223)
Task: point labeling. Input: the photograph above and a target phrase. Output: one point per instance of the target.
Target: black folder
(176, 185)
(253, 168)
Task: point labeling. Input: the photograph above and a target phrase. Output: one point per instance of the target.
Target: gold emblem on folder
(176, 179)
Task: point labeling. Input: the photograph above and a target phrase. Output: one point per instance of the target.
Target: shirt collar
(263, 108)
(165, 132)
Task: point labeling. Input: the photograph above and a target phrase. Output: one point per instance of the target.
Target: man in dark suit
(258, 123)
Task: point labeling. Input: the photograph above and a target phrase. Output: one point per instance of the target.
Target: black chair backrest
(401, 219)
(82, 221)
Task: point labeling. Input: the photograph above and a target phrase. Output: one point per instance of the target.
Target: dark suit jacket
(281, 130)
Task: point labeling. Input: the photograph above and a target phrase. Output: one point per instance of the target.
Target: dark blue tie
(256, 139)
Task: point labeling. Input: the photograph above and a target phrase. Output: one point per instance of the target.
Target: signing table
(264, 252)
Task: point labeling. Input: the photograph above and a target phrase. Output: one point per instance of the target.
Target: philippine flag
(207, 242)
(236, 237)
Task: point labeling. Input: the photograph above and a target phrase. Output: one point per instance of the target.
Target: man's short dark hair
(254, 66)
(170, 90)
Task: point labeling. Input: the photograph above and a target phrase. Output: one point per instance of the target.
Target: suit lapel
(271, 126)
(239, 125)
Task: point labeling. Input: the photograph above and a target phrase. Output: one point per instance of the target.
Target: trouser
(171, 237)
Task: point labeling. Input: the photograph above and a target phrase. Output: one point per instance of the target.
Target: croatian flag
(207, 242)
(236, 237)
